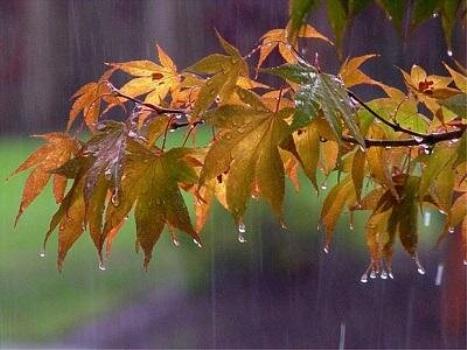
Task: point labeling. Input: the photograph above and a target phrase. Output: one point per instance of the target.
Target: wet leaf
(57, 150)
(247, 148)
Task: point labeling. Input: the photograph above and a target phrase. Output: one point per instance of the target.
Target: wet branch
(154, 108)
(427, 139)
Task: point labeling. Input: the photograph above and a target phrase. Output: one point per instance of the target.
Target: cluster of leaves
(393, 160)
(405, 15)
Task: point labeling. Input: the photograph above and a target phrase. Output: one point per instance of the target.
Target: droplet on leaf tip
(451, 229)
(364, 278)
(326, 249)
(383, 275)
(102, 266)
(42, 254)
(420, 268)
(241, 227)
(241, 238)
(435, 14)
(197, 243)
(373, 274)
(176, 242)
(324, 186)
(465, 262)
(449, 52)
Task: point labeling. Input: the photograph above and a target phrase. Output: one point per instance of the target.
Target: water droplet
(172, 130)
(435, 14)
(241, 238)
(465, 262)
(241, 227)
(390, 17)
(102, 266)
(420, 268)
(198, 243)
(441, 211)
(449, 53)
(176, 242)
(373, 274)
(451, 229)
(326, 249)
(419, 139)
(364, 278)
(108, 174)
(42, 254)
(114, 199)
(427, 218)
(384, 275)
(351, 227)
(132, 134)
(324, 186)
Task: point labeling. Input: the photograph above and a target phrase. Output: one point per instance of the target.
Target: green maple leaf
(225, 70)
(247, 147)
(320, 91)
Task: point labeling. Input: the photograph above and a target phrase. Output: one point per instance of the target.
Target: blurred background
(278, 290)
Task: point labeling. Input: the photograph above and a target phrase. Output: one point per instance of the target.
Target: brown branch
(155, 108)
(395, 127)
(428, 139)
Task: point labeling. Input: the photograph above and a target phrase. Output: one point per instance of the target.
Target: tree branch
(155, 108)
(395, 127)
(428, 139)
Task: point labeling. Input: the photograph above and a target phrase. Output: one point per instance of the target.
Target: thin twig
(155, 108)
(395, 127)
(428, 139)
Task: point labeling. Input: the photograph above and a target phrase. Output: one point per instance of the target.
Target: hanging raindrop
(451, 229)
(420, 268)
(326, 249)
(324, 185)
(241, 238)
(198, 243)
(175, 242)
(364, 278)
(241, 227)
(384, 275)
(373, 273)
(449, 53)
(102, 266)
(42, 254)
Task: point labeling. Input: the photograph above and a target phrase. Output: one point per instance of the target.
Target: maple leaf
(320, 91)
(247, 148)
(225, 70)
(428, 89)
(153, 80)
(57, 150)
(278, 38)
(352, 75)
(88, 100)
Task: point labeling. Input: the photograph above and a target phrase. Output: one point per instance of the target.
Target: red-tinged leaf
(59, 148)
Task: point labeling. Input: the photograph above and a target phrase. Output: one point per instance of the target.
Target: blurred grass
(39, 305)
